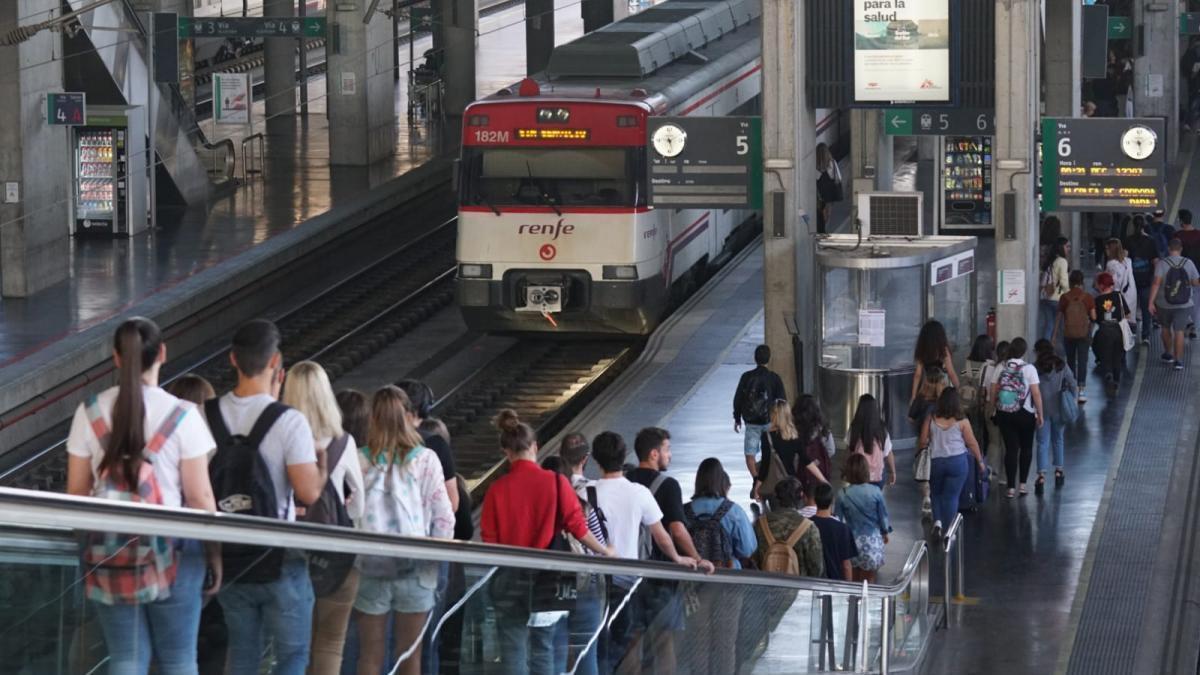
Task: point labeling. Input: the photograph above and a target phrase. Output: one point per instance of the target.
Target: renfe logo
(546, 230)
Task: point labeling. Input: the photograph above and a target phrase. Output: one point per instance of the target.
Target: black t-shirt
(441, 448)
(793, 454)
(1142, 252)
(669, 497)
(837, 542)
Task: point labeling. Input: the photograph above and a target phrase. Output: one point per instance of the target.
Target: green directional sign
(1120, 28)
(1189, 23)
(898, 122)
(252, 27)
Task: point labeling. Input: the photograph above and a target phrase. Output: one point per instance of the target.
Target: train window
(561, 176)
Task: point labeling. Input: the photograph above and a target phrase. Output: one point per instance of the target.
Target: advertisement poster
(231, 98)
(901, 51)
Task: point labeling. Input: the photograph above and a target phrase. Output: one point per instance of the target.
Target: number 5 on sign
(743, 144)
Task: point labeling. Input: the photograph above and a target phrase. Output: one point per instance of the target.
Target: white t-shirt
(288, 442)
(627, 507)
(190, 439)
(348, 471)
(1027, 370)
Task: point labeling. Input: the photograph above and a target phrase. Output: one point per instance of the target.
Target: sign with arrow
(940, 122)
(1120, 28)
(898, 122)
(260, 27)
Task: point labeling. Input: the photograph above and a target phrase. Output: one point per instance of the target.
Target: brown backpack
(1076, 322)
(780, 556)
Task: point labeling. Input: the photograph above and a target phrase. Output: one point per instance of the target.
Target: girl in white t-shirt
(1017, 426)
(137, 438)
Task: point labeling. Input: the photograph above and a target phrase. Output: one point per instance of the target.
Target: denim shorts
(752, 444)
(409, 594)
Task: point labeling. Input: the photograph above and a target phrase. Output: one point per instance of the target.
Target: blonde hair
(308, 390)
(1115, 249)
(391, 436)
(782, 421)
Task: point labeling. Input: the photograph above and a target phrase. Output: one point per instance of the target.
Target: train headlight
(474, 271)
(621, 272)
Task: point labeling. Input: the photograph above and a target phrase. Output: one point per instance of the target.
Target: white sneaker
(927, 506)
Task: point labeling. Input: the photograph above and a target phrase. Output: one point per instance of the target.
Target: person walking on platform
(933, 371)
(1076, 313)
(1142, 255)
(784, 523)
(1018, 413)
(756, 390)
(135, 442)
(310, 393)
(785, 453)
(270, 594)
(1171, 300)
(1109, 341)
(1056, 380)
(995, 451)
(868, 436)
(860, 505)
(1121, 268)
(1052, 284)
(948, 435)
(819, 444)
(837, 541)
(1189, 236)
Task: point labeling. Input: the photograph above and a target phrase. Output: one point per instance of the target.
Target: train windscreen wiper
(542, 194)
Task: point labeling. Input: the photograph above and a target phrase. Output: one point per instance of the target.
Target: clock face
(669, 140)
(1138, 142)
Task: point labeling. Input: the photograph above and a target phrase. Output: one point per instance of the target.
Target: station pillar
(1156, 68)
(539, 34)
(279, 68)
(35, 158)
(789, 199)
(457, 24)
(1014, 199)
(870, 155)
(599, 13)
(1064, 84)
(361, 104)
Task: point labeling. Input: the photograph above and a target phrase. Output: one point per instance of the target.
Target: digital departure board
(1103, 164)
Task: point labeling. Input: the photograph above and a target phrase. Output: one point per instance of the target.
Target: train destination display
(1103, 164)
(705, 162)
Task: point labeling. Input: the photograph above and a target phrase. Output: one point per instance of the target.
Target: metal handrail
(28, 508)
(258, 149)
(949, 547)
(230, 158)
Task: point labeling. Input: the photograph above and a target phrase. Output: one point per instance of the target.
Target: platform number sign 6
(1064, 146)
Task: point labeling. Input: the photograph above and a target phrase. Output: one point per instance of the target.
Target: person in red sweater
(527, 507)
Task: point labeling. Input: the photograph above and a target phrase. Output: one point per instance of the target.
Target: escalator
(107, 58)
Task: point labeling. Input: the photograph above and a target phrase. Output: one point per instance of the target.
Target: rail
(258, 149)
(225, 174)
(952, 545)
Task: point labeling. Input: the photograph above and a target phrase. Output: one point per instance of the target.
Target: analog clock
(669, 140)
(1138, 142)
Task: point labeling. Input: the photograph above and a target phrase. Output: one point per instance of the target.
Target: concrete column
(1063, 89)
(34, 231)
(864, 151)
(362, 108)
(279, 68)
(457, 24)
(1017, 89)
(789, 150)
(1156, 71)
(599, 13)
(539, 34)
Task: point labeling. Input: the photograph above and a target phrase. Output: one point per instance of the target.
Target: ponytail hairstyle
(136, 346)
(515, 436)
(390, 437)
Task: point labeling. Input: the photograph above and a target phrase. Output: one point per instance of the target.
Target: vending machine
(110, 178)
(966, 183)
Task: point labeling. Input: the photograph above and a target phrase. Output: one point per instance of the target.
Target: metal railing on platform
(221, 160)
(254, 150)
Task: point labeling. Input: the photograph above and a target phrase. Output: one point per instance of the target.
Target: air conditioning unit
(890, 214)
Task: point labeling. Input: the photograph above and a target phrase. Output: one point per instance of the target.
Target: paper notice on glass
(1012, 287)
(871, 324)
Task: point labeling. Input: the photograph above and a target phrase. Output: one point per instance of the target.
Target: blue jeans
(168, 628)
(580, 626)
(1145, 323)
(946, 478)
(1047, 312)
(524, 649)
(1050, 436)
(752, 442)
(280, 610)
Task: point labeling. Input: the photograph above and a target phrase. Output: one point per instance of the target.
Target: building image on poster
(901, 51)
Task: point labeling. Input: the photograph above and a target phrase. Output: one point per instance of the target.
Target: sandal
(1039, 486)
(1023, 491)
(1010, 493)
(1059, 478)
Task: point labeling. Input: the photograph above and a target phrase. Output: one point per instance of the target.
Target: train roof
(668, 52)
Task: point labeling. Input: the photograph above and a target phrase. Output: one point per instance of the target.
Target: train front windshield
(530, 176)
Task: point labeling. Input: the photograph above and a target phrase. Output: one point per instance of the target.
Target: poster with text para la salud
(902, 51)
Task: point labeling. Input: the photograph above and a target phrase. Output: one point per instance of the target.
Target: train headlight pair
(474, 271)
(620, 272)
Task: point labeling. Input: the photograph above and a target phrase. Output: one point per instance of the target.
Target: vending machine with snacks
(966, 183)
(110, 172)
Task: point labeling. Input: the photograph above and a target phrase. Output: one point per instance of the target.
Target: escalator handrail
(53, 511)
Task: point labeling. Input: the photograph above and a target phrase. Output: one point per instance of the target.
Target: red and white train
(554, 228)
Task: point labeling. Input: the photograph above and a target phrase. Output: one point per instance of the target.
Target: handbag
(921, 464)
(1068, 403)
(775, 471)
(1127, 335)
(555, 591)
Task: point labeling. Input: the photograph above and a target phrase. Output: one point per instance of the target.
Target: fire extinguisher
(991, 324)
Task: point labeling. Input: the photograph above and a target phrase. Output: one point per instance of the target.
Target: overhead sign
(66, 109)
(231, 98)
(166, 47)
(705, 162)
(253, 27)
(1189, 23)
(940, 122)
(1103, 164)
(1120, 28)
(901, 51)
(1093, 52)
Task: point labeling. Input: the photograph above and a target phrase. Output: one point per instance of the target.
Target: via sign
(1120, 28)
(940, 122)
(705, 162)
(66, 109)
(253, 27)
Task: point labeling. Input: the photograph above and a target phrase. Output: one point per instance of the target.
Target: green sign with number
(260, 27)
(898, 122)
(1189, 23)
(940, 122)
(1120, 28)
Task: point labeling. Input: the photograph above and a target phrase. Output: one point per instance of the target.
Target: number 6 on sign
(1064, 147)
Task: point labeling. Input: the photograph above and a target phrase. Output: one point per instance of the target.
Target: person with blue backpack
(1171, 300)
(1143, 253)
(136, 443)
(1018, 402)
(1060, 404)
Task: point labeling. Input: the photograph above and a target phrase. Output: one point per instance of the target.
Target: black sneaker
(1192, 334)
(1179, 365)
(1166, 357)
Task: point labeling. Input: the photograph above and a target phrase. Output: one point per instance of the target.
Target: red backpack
(123, 569)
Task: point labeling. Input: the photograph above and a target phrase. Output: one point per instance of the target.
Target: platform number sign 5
(743, 144)
(66, 109)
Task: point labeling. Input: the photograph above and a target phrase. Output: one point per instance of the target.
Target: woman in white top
(308, 391)
(1054, 281)
(949, 436)
(1018, 400)
(137, 439)
(1121, 268)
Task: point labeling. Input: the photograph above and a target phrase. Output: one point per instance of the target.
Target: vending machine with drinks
(966, 183)
(110, 176)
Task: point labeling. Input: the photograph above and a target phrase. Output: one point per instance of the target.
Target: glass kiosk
(875, 295)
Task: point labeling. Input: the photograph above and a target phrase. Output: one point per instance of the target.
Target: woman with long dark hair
(1055, 377)
(950, 438)
(1054, 281)
(868, 436)
(932, 351)
(136, 442)
(814, 431)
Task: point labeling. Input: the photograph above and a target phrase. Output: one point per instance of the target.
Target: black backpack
(1177, 284)
(711, 540)
(756, 408)
(328, 570)
(242, 485)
